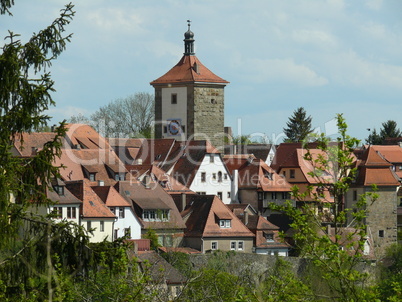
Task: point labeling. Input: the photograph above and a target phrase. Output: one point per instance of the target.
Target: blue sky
(329, 56)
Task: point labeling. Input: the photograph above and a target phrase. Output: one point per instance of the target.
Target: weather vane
(189, 23)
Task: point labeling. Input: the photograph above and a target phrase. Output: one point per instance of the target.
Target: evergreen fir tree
(298, 126)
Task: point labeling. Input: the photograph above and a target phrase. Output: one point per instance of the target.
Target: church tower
(189, 100)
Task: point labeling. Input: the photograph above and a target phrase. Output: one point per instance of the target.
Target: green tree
(389, 130)
(29, 242)
(298, 127)
(131, 116)
(374, 138)
(334, 252)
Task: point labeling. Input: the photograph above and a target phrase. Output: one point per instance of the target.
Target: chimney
(234, 189)
(245, 218)
(183, 201)
(147, 181)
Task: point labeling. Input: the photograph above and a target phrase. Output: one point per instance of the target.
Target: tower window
(174, 98)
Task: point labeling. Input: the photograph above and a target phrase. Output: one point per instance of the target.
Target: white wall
(64, 211)
(211, 185)
(129, 221)
(174, 111)
(99, 236)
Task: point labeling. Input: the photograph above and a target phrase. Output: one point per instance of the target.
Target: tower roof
(189, 69)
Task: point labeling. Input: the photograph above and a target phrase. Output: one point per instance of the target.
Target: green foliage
(241, 140)
(151, 235)
(389, 130)
(336, 254)
(390, 285)
(180, 261)
(298, 127)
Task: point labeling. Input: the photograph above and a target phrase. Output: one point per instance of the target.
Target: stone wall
(208, 114)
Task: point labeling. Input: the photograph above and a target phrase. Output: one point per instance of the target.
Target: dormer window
(155, 215)
(225, 223)
(59, 190)
(92, 176)
(269, 237)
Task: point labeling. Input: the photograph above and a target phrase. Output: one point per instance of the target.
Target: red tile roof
(189, 70)
(93, 206)
(201, 219)
(110, 196)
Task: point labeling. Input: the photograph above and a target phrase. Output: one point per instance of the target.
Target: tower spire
(189, 41)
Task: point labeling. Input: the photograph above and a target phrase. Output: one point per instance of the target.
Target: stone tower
(189, 100)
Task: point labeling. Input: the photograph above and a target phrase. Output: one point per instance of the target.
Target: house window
(152, 215)
(273, 194)
(228, 194)
(220, 195)
(284, 174)
(400, 202)
(58, 212)
(121, 212)
(354, 195)
(173, 98)
(115, 234)
(164, 215)
(224, 223)
(113, 210)
(225, 176)
(285, 195)
(203, 176)
(233, 245)
(211, 158)
(213, 175)
(183, 129)
(219, 176)
(292, 173)
(164, 129)
(102, 226)
(59, 190)
(71, 212)
(214, 245)
(269, 237)
(145, 215)
(381, 233)
(92, 176)
(260, 196)
(240, 245)
(88, 225)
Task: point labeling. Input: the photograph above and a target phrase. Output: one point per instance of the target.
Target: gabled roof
(76, 162)
(159, 269)
(260, 151)
(85, 136)
(188, 164)
(110, 196)
(152, 198)
(189, 70)
(29, 143)
(202, 219)
(375, 169)
(93, 206)
(258, 175)
(66, 198)
(392, 153)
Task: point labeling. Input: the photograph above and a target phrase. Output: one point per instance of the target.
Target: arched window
(219, 176)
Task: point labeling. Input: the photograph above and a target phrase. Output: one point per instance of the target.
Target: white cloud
(116, 19)
(286, 70)
(351, 68)
(336, 4)
(374, 4)
(317, 37)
